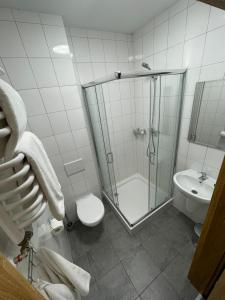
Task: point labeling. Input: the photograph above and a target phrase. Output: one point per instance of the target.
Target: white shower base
(133, 197)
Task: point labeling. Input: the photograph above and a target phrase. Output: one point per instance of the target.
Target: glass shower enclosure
(134, 120)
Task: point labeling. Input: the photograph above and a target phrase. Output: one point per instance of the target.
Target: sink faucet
(203, 177)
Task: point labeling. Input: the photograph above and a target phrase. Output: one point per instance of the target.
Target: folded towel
(34, 151)
(16, 118)
(56, 291)
(64, 271)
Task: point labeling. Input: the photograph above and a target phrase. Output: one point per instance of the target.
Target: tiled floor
(150, 265)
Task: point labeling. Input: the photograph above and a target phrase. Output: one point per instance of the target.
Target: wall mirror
(207, 126)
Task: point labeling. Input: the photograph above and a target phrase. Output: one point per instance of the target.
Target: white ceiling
(108, 15)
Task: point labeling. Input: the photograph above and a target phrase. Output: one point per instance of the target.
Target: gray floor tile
(113, 225)
(102, 259)
(140, 268)
(160, 249)
(160, 289)
(124, 244)
(176, 273)
(116, 285)
(148, 230)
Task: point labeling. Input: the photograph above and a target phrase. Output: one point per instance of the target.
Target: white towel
(71, 275)
(14, 110)
(32, 147)
(55, 291)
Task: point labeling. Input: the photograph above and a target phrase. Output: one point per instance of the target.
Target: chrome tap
(203, 177)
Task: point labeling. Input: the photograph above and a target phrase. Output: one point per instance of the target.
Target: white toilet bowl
(90, 210)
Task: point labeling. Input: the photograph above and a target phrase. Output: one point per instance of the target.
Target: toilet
(90, 210)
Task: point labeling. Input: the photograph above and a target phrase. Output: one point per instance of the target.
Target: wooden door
(218, 291)
(209, 259)
(216, 3)
(13, 285)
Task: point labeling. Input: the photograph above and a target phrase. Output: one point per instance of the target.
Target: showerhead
(146, 65)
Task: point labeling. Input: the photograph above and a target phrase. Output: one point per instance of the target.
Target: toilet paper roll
(222, 133)
(56, 226)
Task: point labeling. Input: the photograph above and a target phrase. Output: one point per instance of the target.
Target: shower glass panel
(97, 115)
(168, 109)
(135, 125)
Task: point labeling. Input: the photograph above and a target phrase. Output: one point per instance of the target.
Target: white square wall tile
(85, 72)
(81, 137)
(43, 72)
(214, 158)
(6, 14)
(25, 16)
(71, 97)
(110, 50)
(217, 18)
(99, 70)
(148, 41)
(197, 20)
(122, 51)
(214, 46)
(57, 41)
(174, 57)
(160, 37)
(11, 45)
(33, 102)
(33, 39)
(59, 122)
(20, 73)
(50, 145)
(81, 49)
(177, 26)
(96, 50)
(65, 142)
(193, 52)
(64, 71)
(40, 126)
(76, 119)
(49, 19)
(52, 99)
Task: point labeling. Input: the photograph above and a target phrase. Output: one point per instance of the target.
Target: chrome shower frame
(132, 75)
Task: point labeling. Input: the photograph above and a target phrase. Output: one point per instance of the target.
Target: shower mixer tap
(139, 131)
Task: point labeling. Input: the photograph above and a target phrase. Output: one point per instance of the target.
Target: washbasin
(191, 186)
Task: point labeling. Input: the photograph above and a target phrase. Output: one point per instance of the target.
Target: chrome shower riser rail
(121, 75)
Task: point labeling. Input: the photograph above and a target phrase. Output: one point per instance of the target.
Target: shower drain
(194, 192)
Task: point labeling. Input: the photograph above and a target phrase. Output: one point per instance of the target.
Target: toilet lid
(90, 209)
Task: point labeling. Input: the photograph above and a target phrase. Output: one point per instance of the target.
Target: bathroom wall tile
(212, 72)
(48, 19)
(50, 145)
(25, 16)
(160, 37)
(214, 158)
(57, 41)
(174, 57)
(197, 20)
(99, 70)
(65, 142)
(71, 97)
(20, 73)
(160, 60)
(96, 50)
(109, 50)
(214, 54)
(6, 14)
(52, 99)
(122, 51)
(59, 122)
(177, 26)
(33, 102)
(85, 72)
(217, 18)
(76, 119)
(81, 47)
(161, 18)
(81, 137)
(193, 52)
(192, 76)
(40, 126)
(43, 72)
(12, 45)
(33, 39)
(178, 7)
(148, 44)
(64, 71)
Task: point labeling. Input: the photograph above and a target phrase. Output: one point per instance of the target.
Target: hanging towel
(16, 118)
(55, 291)
(33, 149)
(71, 275)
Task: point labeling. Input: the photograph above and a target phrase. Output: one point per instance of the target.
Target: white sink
(189, 184)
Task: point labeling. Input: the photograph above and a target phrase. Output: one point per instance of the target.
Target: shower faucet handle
(139, 131)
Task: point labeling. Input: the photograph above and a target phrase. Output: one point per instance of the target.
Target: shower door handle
(109, 157)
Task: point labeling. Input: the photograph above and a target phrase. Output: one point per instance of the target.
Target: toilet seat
(90, 210)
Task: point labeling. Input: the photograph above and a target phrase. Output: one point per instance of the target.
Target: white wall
(189, 34)
(49, 87)
(96, 54)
